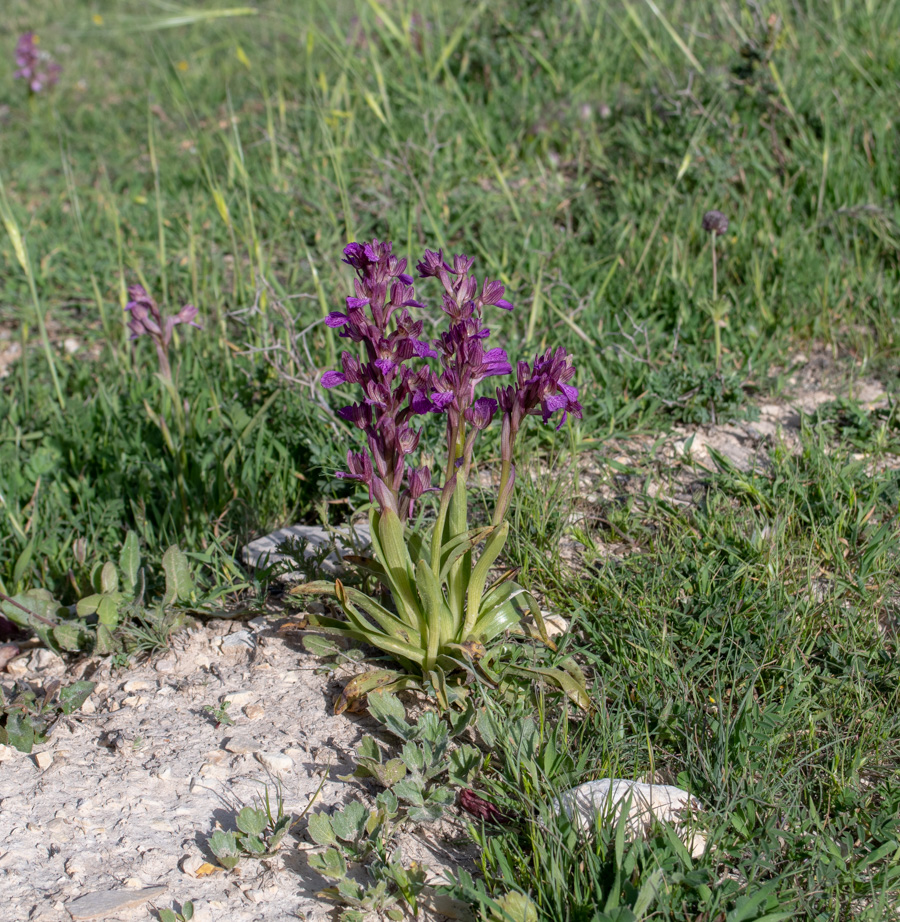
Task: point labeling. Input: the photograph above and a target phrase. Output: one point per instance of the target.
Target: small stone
(104, 902)
(276, 762)
(195, 866)
(71, 345)
(43, 760)
(239, 641)
(164, 774)
(7, 752)
(89, 707)
(201, 661)
(78, 864)
(44, 660)
(208, 770)
(8, 651)
(165, 666)
(136, 685)
(254, 711)
(242, 744)
(60, 830)
(238, 698)
(555, 625)
(133, 701)
(17, 667)
(133, 883)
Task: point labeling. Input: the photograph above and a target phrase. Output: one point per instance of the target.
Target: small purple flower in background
(714, 222)
(34, 65)
(147, 320)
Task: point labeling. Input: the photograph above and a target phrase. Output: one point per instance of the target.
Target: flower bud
(714, 222)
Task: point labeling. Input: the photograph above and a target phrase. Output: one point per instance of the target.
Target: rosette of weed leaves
(447, 621)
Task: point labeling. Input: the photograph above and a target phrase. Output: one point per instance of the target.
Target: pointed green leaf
(20, 732)
(73, 696)
(462, 544)
(109, 578)
(130, 561)
(319, 645)
(396, 562)
(179, 584)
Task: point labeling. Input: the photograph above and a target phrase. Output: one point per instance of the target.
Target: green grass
(735, 654)
(223, 155)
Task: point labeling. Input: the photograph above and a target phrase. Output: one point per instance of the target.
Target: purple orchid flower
(377, 318)
(34, 65)
(147, 320)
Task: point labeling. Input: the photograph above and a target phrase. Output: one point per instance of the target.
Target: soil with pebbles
(125, 793)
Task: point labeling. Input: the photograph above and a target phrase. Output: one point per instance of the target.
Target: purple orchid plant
(34, 65)
(147, 320)
(445, 612)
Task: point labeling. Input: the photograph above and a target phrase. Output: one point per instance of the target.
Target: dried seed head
(714, 222)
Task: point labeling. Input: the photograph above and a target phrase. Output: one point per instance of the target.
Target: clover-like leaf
(71, 636)
(350, 822)
(410, 791)
(329, 863)
(279, 831)
(388, 709)
(413, 757)
(320, 830)
(225, 847)
(252, 821)
(253, 844)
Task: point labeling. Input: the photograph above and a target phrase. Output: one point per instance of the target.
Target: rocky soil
(120, 801)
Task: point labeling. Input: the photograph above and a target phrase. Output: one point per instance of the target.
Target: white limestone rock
(645, 802)
(268, 550)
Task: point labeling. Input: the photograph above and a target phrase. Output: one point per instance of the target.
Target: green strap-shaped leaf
(439, 621)
(362, 632)
(575, 690)
(480, 574)
(461, 544)
(395, 558)
(460, 572)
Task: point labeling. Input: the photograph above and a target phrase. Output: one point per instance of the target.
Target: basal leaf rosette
(447, 617)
